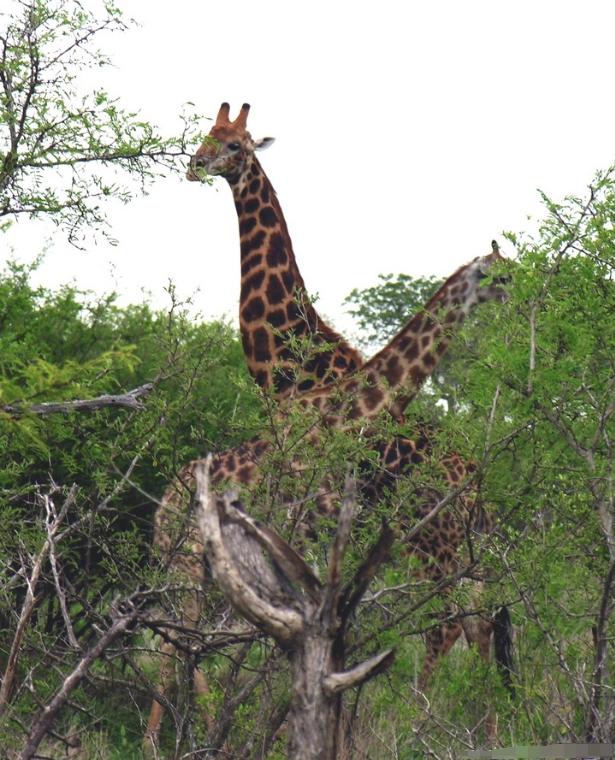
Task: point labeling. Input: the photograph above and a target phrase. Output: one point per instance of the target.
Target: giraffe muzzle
(197, 169)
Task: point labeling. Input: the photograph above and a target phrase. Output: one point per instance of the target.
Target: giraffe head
(228, 149)
(476, 272)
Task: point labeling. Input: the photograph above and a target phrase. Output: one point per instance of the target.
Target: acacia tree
(65, 148)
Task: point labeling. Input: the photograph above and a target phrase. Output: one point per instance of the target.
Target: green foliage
(66, 148)
(381, 310)
(59, 346)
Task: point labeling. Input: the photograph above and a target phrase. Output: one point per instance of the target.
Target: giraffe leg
(202, 690)
(439, 642)
(478, 633)
(483, 642)
(150, 740)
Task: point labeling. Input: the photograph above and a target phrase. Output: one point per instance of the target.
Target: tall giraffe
(391, 369)
(273, 303)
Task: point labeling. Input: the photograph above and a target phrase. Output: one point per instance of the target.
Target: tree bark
(314, 711)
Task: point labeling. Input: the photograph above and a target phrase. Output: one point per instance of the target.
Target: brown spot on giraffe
(276, 253)
(249, 284)
(251, 263)
(275, 291)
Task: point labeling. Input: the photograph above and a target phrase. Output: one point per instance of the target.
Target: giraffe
(412, 355)
(273, 302)
(404, 364)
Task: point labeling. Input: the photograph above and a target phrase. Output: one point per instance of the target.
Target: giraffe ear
(263, 143)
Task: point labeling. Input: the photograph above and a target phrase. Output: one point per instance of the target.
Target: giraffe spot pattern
(275, 290)
(322, 367)
(412, 351)
(253, 310)
(253, 243)
(268, 217)
(394, 371)
(276, 254)
(243, 474)
(247, 225)
(293, 312)
(305, 385)
(254, 186)
(249, 264)
(289, 280)
(373, 397)
(251, 205)
(260, 340)
(277, 317)
(417, 375)
(252, 283)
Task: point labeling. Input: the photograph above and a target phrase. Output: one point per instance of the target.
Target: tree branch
(42, 725)
(281, 623)
(353, 593)
(338, 550)
(338, 682)
(288, 560)
(30, 600)
(129, 400)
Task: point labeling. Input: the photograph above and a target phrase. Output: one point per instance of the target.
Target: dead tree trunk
(273, 587)
(314, 712)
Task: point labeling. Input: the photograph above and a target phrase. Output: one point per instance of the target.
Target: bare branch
(354, 591)
(42, 725)
(338, 682)
(130, 400)
(532, 359)
(281, 623)
(51, 513)
(29, 603)
(342, 534)
(288, 560)
(332, 591)
(601, 642)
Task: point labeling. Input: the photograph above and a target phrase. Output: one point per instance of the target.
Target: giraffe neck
(273, 301)
(406, 362)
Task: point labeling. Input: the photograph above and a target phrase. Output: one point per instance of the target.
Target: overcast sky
(408, 134)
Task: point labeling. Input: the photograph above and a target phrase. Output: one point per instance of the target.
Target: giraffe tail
(503, 642)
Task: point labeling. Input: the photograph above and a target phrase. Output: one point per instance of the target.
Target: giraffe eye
(233, 146)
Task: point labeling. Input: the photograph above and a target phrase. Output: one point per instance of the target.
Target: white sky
(408, 134)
